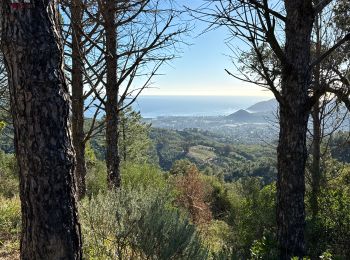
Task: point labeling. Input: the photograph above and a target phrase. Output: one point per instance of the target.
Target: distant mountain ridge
(264, 106)
(257, 113)
(243, 116)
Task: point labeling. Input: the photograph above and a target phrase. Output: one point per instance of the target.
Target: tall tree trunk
(315, 168)
(40, 107)
(124, 142)
(316, 174)
(112, 117)
(294, 113)
(124, 145)
(78, 96)
(316, 160)
(317, 135)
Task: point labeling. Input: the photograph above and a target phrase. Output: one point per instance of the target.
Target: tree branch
(321, 5)
(329, 52)
(270, 11)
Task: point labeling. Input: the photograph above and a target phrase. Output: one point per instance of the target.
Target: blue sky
(200, 69)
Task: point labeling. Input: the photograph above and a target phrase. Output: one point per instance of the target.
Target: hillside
(215, 154)
(263, 106)
(243, 116)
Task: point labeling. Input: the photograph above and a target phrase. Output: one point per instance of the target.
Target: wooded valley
(84, 176)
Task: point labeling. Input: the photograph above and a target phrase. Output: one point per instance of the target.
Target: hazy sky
(200, 69)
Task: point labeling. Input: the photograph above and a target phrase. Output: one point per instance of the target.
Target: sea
(157, 106)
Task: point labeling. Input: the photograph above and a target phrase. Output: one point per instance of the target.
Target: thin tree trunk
(112, 117)
(124, 122)
(40, 107)
(78, 97)
(317, 135)
(316, 148)
(316, 161)
(315, 170)
(294, 113)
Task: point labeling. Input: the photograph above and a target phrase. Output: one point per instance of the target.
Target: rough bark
(40, 107)
(112, 117)
(78, 97)
(294, 113)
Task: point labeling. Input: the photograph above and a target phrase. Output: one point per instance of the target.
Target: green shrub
(137, 224)
(218, 236)
(334, 218)
(10, 216)
(96, 178)
(225, 200)
(142, 176)
(133, 176)
(250, 212)
(329, 231)
(10, 227)
(8, 175)
(263, 248)
(164, 234)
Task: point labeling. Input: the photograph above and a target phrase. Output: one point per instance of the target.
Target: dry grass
(9, 248)
(202, 153)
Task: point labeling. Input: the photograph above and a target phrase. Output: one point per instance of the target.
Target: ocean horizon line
(199, 95)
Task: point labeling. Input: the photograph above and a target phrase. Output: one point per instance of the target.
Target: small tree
(194, 195)
(135, 143)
